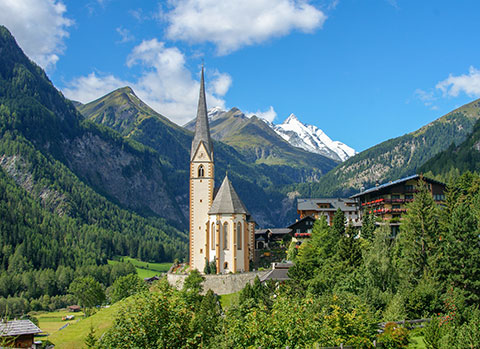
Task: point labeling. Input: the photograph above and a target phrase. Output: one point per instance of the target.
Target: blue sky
(363, 71)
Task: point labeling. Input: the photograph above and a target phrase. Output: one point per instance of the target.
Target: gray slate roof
(202, 131)
(227, 200)
(17, 328)
(336, 203)
(274, 231)
(278, 273)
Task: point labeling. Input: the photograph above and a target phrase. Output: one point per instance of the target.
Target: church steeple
(202, 131)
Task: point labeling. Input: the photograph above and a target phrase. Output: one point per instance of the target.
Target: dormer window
(201, 171)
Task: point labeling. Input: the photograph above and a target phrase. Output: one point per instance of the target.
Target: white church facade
(220, 225)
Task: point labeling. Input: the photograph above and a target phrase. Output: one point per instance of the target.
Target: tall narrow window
(225, 236)
(239, 236)
(213, 237)
(201, 171)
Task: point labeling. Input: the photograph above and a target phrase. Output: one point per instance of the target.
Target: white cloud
(426, 97)
(233, 24)
(125, 35)
(165, 83)
(268, 115)
(466, 83)
(88, 88)
(39, 26)
(221, 84)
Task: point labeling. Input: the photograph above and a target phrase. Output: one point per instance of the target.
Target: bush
(394, 336)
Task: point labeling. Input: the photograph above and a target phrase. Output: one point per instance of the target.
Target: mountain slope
(124, 171)
(259, 143)
(53, 158)
(312, 139)
(456, 159)
(398, 157)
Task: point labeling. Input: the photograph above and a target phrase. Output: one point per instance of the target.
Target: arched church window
(239, 236)
(225, 236)
(201, 171)
(225, 265)
(212, 239)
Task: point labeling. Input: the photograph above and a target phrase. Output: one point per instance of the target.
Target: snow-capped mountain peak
(312, 139)
(298, 134)
(214, 112)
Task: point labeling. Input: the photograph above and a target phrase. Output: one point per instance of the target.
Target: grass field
(226, 300)
(144, 269)
(72, 336)
(51, 322)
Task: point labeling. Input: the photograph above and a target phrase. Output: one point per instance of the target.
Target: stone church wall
(219, 283)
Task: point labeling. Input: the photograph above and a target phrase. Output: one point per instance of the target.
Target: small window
(201, 171)
(213, 236)
(239, 236)
(225, 265)
(225, 236)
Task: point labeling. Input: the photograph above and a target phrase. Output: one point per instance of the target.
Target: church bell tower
(201, 185)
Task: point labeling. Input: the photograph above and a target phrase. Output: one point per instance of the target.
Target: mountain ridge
(49, 161)
(397, 157)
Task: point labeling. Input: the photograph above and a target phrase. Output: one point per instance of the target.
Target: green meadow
(144, 269)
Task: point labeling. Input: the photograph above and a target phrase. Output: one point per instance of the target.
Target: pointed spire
(227, 200)
(202, 131)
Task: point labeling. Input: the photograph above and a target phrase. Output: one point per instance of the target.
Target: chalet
(302, 229)
(150, 280)
(18, 333)
(74, 308)
(265, 236)
(327, 207)
(387, 201)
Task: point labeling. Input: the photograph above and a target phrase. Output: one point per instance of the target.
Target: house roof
(17, 328)
(227, 200)
(335, 204)
(275, 231)
(306, 218)
(398, 181)
(278, 273)
(202, 131)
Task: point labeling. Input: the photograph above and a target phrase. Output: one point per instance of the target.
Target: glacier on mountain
(313, 139)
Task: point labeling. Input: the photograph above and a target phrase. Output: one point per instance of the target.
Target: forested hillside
(456, 159)
(55, 224)
(395, 158)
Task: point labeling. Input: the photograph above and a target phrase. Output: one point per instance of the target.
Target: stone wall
(221, 283)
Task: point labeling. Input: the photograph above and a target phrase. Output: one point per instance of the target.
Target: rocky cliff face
(134, 182)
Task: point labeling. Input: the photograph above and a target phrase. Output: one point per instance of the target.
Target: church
(221, 228)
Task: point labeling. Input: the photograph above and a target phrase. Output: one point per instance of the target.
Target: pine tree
(368, 226)
(338, 224)
(418, 239)
(90, 340)
(460, 257)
